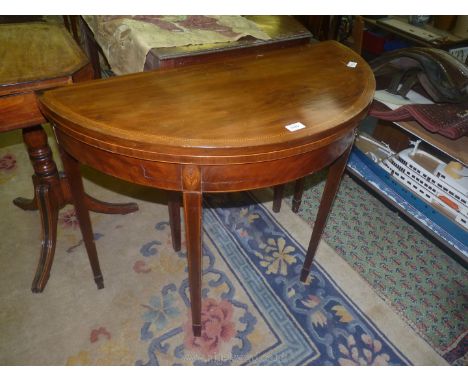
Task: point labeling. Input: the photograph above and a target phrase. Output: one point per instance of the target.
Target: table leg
(47, 198)
(95, 205)
(51, 193)
(48, 210)
(45, 171)
(278, 192)
(27, 204)
(92, 204)
(331, 187)
(174, 218)
(72, 168)
(298, 191)
(277, 197)
(193, 232)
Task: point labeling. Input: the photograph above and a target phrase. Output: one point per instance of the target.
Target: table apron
(19, 111)
(213, 178)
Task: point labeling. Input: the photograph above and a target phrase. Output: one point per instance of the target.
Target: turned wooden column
(45, 169)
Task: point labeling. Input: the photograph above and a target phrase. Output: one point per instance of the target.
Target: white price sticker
(295, 126)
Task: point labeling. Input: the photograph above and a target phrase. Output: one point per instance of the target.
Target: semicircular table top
(226, 107)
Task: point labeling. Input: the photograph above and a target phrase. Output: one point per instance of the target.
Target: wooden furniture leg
(277, 197)
(278, 192)
(45, 171)
(298, 191)
(49, 216)
(47, 198)
(174, 218)
(92, 204)
(72, 168)
(27, 204)
(51, 193)
(335, 173)
(193, 233)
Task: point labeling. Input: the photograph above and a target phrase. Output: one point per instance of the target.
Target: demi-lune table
(233, 125)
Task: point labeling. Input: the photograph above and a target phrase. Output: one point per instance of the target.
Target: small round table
(226, 126)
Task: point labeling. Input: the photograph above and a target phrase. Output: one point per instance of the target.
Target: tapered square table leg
(193, 232)
(332, 184)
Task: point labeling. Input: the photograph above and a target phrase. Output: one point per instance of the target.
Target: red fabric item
(449, 120)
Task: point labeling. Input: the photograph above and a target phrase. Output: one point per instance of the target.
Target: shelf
(448, 39)
(360, 170)
(457, 149)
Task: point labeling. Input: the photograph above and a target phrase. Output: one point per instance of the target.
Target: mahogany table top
(219, 112)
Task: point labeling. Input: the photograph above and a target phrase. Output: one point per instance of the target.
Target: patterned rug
(255, 309)
(417, 278)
